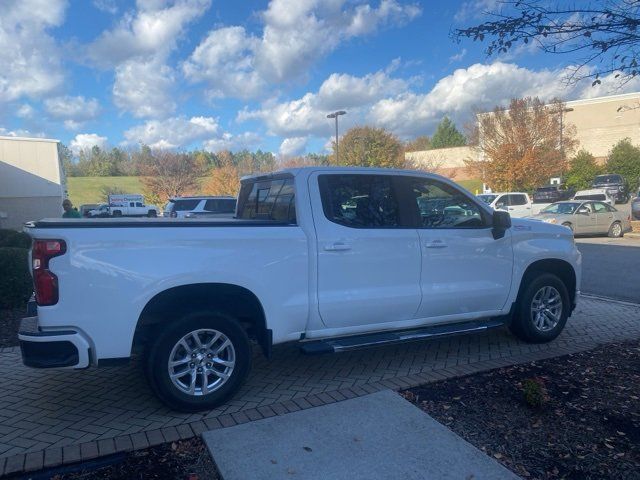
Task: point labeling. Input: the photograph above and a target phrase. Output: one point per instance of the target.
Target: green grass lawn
(88, 189)
(472, 185)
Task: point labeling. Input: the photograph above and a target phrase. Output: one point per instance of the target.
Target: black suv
(615, 184)
(552, 193)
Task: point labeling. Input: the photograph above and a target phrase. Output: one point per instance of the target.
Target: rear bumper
(52, 349)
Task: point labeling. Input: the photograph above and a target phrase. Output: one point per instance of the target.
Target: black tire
(117, 213)
(568, 225)
(157, 361)
(152, 214)
(522, 325)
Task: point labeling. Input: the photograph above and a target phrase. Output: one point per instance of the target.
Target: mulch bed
(181, 460)
(9, 324)
(586, 426)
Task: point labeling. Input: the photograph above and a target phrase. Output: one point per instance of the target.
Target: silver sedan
(586, 218)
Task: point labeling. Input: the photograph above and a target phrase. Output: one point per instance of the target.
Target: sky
(230, 74)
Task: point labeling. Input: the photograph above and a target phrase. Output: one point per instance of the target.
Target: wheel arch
(561, 268)
(232, 299)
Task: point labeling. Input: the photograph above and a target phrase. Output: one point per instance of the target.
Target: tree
(169, 174)
(107, 190)
(520, 147)
(66, 157)
(369, 147)
(447, 135)
(624, 159)
(418, 144)
(582, 170)
(606, 33)
(222, 180)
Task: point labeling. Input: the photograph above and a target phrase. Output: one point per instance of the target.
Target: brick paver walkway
(52, 417)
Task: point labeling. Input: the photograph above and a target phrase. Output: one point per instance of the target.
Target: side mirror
(583, 211)
(501, 221)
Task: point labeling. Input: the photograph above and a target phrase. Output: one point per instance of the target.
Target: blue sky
(219, 74)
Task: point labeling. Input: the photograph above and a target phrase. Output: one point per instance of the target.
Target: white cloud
(293, 146)
(84, 141)
(5, 132)
(173, 132)
(307, 115)
(151, 31)
(229, 141)
(25, 111)
(299, 32)
(224, 60)
(474, 9)
(107, 6)
(458, 56)
(75, 111)
(143, 88)
(610, 85)
(29, 56)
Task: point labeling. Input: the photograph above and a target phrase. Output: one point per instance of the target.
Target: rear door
(368, 258)
(604, 216)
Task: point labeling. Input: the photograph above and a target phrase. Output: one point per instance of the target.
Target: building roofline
(30, 139)
(608, 98)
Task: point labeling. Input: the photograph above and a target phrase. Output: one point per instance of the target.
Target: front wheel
(199, 362)
(542, 310)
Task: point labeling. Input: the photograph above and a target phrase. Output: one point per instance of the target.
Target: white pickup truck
(331, 258)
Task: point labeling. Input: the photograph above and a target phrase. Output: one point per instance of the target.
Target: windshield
(552, 188)
(561, 208)
(486, 198)
(601, 179)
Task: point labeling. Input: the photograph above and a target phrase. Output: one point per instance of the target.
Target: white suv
(181, 207)
(598, 194)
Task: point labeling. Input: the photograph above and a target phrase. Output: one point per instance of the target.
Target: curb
(72, 454)
(609, 299)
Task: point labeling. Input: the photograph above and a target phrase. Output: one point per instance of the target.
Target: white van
(518, 204)
(598, 194)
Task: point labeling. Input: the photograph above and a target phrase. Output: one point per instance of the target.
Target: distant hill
(89, 189)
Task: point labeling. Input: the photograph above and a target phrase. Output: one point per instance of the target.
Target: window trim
(412, 205)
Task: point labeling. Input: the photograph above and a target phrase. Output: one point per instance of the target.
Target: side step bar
(343, 344)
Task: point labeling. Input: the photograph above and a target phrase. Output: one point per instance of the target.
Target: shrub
(583, 170)
(535, 392)
(12, 238)
(15, 280)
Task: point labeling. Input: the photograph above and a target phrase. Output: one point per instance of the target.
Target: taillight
(44, 281)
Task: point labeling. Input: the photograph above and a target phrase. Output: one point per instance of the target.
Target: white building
(32, 183)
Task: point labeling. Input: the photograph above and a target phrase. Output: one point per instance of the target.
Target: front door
(368, 262)
(587, 219)
(518, 206)
(466, 273)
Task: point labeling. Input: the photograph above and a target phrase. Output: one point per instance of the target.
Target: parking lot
(51, 417)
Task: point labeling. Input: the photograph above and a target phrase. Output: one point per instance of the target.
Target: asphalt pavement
(611, 267)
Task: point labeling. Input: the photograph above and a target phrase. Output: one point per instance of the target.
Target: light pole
(336, 115)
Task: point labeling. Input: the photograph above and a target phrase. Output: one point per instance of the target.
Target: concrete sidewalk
(377, 436)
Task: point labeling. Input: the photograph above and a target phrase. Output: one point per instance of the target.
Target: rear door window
(268, 199)
(220, 205)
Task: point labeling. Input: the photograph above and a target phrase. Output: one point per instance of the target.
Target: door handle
(436, 244)
(337, 247)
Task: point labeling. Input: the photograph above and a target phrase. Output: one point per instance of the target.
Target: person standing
(69, 211)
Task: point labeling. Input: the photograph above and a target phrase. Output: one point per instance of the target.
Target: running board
(343, 344)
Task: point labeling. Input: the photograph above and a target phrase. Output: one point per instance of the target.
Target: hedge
(12, 238)
(15, 280)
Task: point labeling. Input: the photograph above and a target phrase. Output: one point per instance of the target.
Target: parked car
(552, 193)
(598, 194)
(101, 212)
(191, 207)
(518, 204)
(635, 207)
(615, 185)
(85, 208)
(587, 218)
(331, 258)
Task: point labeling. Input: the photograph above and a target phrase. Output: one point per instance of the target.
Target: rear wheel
(199, 362)
(152, 214)
(117, 213)
(542, 309)
(615, 230)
